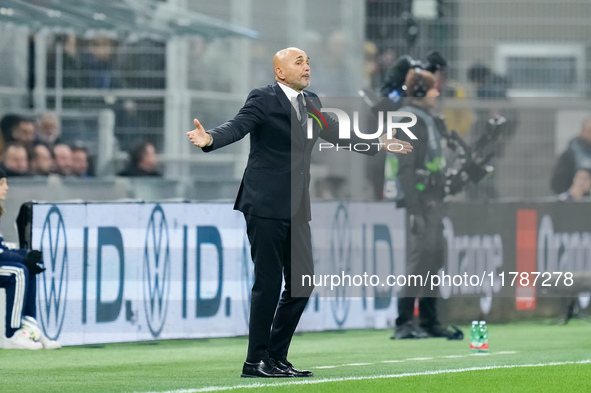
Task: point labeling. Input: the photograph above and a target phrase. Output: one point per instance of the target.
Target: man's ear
(279, 73)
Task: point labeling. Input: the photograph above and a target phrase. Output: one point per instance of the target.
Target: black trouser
(21, 293)
(425, 255)
(274, 245)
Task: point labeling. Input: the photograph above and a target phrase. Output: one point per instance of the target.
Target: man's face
(295, 69)
(79, 163)
(43, 162)
(16, 159)
(48, 126)
(430, 97)
(149, 161)
(63, 159)
(24, 132)
(102, 48)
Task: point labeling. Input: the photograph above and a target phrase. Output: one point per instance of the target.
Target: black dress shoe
(287, 366)
(264, 369)
(441, 331)
(408, 332)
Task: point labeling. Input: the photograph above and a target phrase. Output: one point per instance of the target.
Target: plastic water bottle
(474, 337)
(483, 332)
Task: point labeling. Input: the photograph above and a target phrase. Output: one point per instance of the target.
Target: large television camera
(472, 162)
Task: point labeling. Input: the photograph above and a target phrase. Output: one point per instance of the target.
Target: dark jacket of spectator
(576, 156)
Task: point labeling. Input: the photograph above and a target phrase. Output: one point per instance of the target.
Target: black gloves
(34, 262)
(417, 224)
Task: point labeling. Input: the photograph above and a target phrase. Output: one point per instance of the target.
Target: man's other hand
(394, 145)
(198, 136)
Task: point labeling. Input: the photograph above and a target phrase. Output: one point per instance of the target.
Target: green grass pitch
(524, 357)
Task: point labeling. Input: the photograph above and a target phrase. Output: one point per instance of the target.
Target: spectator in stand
(41, 163)
(48, 131)
(143, 161)
(16, 161)
(576, 156)
(99, 64)
(16, 128)
(487, 84)
(7, 124)
(62, 156)
(80, 163)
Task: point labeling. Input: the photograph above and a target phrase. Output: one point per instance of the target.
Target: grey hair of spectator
(49, 128)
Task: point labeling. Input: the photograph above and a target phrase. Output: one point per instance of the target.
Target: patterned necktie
(302, 110)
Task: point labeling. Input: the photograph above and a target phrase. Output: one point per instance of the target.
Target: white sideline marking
(317, 381)
(418, 359)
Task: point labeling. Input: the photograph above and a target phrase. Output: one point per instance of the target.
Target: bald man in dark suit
(274, 197)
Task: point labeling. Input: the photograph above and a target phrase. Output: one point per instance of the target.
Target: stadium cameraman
(417, 182)
(18, 270)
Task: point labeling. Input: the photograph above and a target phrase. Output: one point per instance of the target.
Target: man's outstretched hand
(394, 145)
(198, 136)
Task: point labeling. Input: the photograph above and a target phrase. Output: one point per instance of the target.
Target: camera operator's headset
(419, 88)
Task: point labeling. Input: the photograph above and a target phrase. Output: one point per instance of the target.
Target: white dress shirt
(292, 96)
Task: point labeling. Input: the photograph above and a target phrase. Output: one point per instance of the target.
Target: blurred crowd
(33, 146)
(36, 147)
(571, 177)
